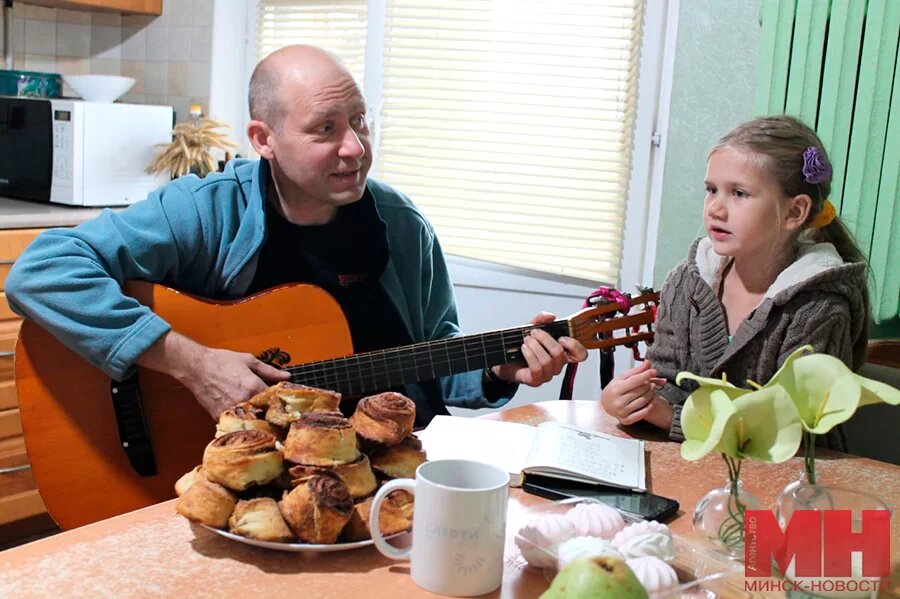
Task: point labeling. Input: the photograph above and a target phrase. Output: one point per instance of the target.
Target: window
(339, 26)
(510, 123)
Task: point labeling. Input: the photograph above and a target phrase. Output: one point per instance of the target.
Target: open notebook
(549, 449)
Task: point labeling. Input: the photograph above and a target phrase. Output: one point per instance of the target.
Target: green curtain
(834, 64)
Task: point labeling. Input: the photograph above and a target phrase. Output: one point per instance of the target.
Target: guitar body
(71, 434)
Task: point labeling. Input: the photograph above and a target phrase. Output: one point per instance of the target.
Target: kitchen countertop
(19, 214)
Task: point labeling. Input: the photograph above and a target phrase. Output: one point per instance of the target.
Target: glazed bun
(206, 502)
(357, 475)
(318, 508)
(243, 459)
(259, 519)
(244, 416)
(386, 418)
(399, 461)
(395, 516)
(321, 439)
(189, 478)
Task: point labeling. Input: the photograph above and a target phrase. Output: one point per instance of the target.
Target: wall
(712, 91)
(169, 55)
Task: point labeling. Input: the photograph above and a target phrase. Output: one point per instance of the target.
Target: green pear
(597, 577)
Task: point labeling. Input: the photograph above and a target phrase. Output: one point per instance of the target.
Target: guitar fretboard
(369, 372)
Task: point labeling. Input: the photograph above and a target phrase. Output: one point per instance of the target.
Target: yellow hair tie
(824, 217)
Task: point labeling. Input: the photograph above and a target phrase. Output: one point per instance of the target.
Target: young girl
(777, 270)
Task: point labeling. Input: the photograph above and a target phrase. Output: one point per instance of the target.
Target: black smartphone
(645, 505)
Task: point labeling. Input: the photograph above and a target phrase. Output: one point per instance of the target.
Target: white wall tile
(39, 12)
(106, 42)
(157, 99)
(73, 40)
(66, 65)
(156, 78)
(178, 79)
(157, 43)
(203, 13)
(106, 19)
(179, 12)
(181, 105)
(137, 21)
(180, 43)
(40, 63)
(40, 37)
(201, 43)
(134, 43)
(136, 69)
(18, 34)
(132, 98)
(106, 66)
(78, 17)
(198, 79)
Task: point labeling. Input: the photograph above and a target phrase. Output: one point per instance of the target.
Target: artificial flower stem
(731, 531)
(809, 456)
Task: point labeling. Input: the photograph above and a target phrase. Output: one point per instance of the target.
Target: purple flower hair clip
(815, 166)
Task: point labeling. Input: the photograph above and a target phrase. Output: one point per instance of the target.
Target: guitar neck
(369, 372)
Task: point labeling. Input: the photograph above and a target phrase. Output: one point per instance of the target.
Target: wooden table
(153, 552)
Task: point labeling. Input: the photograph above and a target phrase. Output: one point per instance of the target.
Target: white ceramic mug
(459, 526)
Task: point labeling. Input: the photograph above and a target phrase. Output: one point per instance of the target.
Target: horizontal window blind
(510, 124)
(338, 26)
(836, 65)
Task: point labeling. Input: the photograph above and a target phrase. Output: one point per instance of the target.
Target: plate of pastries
(288, 471)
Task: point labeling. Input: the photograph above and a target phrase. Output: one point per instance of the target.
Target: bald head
(289, 65)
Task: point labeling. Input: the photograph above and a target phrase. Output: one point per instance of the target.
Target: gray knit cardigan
(817, 300)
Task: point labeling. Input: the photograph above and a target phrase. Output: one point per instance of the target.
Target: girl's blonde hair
(780, 142)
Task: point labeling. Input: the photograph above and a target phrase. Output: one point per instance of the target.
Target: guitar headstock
(595, 326)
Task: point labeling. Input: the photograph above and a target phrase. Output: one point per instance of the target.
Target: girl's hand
(631, 396)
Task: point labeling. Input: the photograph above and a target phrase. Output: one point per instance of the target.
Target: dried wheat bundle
(190, 149)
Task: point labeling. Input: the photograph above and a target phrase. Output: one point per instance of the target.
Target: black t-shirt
(346, 257)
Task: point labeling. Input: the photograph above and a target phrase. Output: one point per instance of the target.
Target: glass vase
(785, 503)
(719, 517)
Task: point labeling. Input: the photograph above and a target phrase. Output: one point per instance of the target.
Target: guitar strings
(455, 351)
(458, 350)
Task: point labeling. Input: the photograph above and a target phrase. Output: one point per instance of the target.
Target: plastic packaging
(699, 570)
(30, 84)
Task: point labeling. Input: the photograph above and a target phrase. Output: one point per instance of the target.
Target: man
(306, 213)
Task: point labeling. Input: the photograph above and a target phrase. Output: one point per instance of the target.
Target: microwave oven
(80, 153)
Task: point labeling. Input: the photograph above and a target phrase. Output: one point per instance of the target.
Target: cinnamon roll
(244, 416)
(288, 401)
(206, 502)
(394, 516)
(385, 418)
(242, 459)
(357, 475)
(261, 400)
(279, 416)
(303, 399)
(318, 508)
(259, 519)
(189, 478)
(399, 461)
(321, 439)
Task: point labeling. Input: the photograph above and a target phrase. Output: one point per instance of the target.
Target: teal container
(30, 84)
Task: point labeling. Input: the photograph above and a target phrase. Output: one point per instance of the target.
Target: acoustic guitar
(99, 448)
